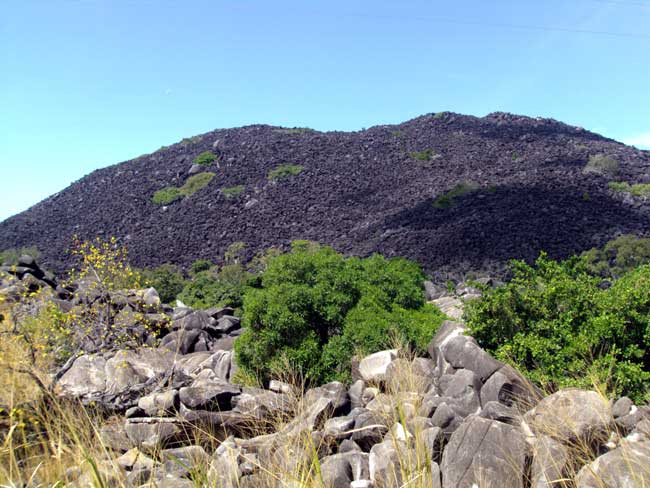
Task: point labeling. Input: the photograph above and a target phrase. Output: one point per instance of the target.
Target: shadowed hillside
(384, 189)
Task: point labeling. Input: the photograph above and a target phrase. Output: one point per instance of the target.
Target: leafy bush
(284, 171)
(200, 265)
(167, 195)
(619, 256)
(447, 200)
(167, 279)
(206, 157)
(314, 308)
(221, 288)
(195, 182)
(555, 323)
(233, 191)
(602, 165)
(11, 256)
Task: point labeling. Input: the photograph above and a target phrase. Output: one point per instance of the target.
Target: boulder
(627, 466)
(436, 348)
(550, 462)
(86, 376)
(369, 428)
(462, 352)
(486, 453)
(128, 368)
(209, 394)
(572, 415)
(153, 433)
(373, 368)
(339, 470)
(159, 404)
(461, 392)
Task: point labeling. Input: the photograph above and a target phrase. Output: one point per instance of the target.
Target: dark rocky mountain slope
(359, 192)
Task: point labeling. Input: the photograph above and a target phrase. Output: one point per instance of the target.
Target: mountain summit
(450, 191)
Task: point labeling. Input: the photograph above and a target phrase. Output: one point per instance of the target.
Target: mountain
(522, 189)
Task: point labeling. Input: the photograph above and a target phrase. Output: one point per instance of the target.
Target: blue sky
(88, 83)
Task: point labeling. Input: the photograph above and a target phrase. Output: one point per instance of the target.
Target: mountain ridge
(374, 190)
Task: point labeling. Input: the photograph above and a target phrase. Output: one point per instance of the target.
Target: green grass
(233, 191)
(448, 199)
(192, 185)
(426, 155)
(602, 165)
(636, 189)
(206, 157)
(284, 171)
(195, 182)
(167, 195)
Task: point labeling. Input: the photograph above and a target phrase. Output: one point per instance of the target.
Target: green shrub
(602, 165)
(167, 279)
(167, 195)
(284, 171)
(196, 182)
(636, 189)
(618, 257)
(233, 191)
(314, 308)
(200, 265)
(555, 323)
(221, 288)
(447, 199)
(619, 186)
(206, 157)
(426, 155)
(11, 256)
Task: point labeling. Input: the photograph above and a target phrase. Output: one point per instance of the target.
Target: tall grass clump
(601, 164)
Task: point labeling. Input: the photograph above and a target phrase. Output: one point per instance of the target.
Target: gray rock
(190, 320)
(432, 440)
(86, 376)
(262, 404)
(572, 415)
(384, 464)
(501, 413)
(628, 466)
(113, 436)
(209, 394)
(622, 407)
(159, 404)
(227, 323)
(462, 390)
(195, 168)
(485, 453)
(438, 345)
(334, 391)
(128, 368)
(369, 429)
(373, 367)
(339, 470)
(550, 461)
(153, 434)
(179, 461)
(462, 352)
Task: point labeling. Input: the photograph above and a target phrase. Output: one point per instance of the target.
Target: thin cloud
(168, 91)
(642, 141)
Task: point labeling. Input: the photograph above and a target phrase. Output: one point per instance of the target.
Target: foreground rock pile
(457, 418)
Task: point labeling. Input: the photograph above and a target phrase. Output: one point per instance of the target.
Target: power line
(450, 20)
